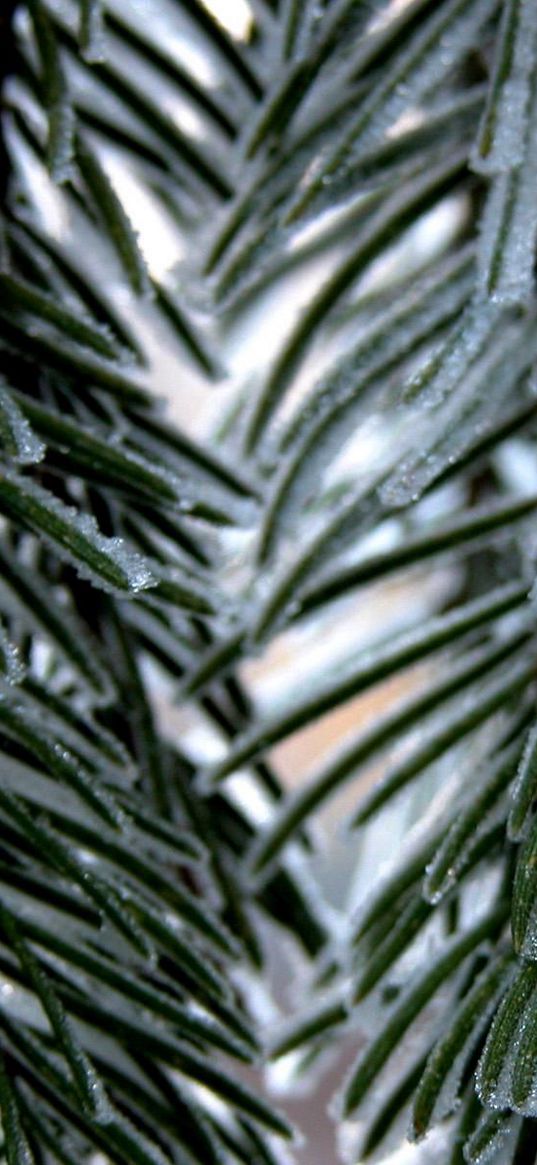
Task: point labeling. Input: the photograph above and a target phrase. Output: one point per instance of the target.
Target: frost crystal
(18, 439)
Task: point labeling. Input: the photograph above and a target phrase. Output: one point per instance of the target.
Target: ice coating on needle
(91, 31)
(508, 236)
(478, 386)
(489, 1137)
(431, 53)
(501, 141)
(109, 563)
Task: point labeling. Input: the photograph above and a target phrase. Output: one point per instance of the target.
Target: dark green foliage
(384, 158)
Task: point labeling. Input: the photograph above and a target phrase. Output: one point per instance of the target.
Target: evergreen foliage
(322, 143)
